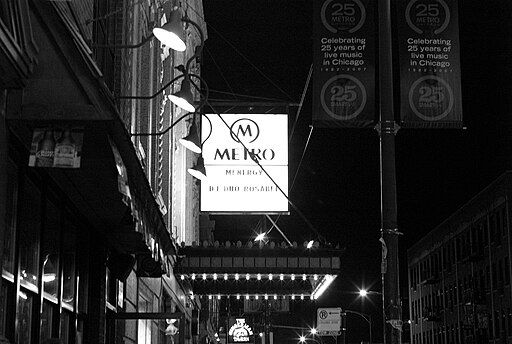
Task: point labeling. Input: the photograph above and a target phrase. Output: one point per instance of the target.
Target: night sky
(263, 48)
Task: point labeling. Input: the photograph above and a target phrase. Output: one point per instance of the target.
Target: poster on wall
(430, 91)
(56, 147)
(344, 63)
(246, 162)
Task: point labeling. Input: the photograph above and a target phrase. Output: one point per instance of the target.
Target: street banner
(428, 43)
(344, 63)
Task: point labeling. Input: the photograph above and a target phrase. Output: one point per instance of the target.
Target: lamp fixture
(184, 98)
(171, 33)
(192, 141)
(198, 170)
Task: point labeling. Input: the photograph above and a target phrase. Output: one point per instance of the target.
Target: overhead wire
(240, 53)
(306, 86)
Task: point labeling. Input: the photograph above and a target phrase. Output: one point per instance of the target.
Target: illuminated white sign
(240, 332)
(235, 183)
(328, 321)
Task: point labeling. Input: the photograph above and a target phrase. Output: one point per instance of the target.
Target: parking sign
(328, 321)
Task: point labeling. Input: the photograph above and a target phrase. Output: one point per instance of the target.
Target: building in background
(459, 274)
(91, 213)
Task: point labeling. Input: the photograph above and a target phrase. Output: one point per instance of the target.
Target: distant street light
(304, 339)
(365, 293)
(260, 237)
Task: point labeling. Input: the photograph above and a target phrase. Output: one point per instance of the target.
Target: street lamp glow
(313, 331)
(302, 339)
(260, 237)
(363, 292)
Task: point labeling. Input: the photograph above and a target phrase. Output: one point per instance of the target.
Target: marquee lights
(262, 296)
(236, 276)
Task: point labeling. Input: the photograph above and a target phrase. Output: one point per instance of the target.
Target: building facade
(94, 194)
(459, 273)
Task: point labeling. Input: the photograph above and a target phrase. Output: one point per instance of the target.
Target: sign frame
(236, 183)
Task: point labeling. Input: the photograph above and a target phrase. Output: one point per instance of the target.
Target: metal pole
(4, 160)
(387, 129)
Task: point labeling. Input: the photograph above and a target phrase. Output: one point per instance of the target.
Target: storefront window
(47, 321)
(9, 233)
(68, 261)
(83, 271)
(50, 252)
(64, 327)
(29, 229)
(3, 305)
(24, 317)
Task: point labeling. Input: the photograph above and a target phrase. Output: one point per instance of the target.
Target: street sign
(328, 322)
(329, 333)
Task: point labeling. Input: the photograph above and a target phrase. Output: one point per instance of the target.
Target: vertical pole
(3, 178)
(387, 129)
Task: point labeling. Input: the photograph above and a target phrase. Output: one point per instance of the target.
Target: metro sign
(246, 161)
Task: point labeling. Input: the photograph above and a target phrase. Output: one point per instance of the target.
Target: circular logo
(431, 98)
(244, 130)
(343, 97)
(427, 16)
(343, 15)
(323, 314)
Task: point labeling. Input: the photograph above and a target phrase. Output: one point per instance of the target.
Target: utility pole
(387, 129)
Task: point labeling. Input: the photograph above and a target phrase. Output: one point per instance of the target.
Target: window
(47, 320)
(50, 248)
(24, 317)
(64, 327)
(9, 233)
(68, 262)
(29, 232)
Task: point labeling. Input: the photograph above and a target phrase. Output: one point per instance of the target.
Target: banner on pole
(428, 43)
(344, 63)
